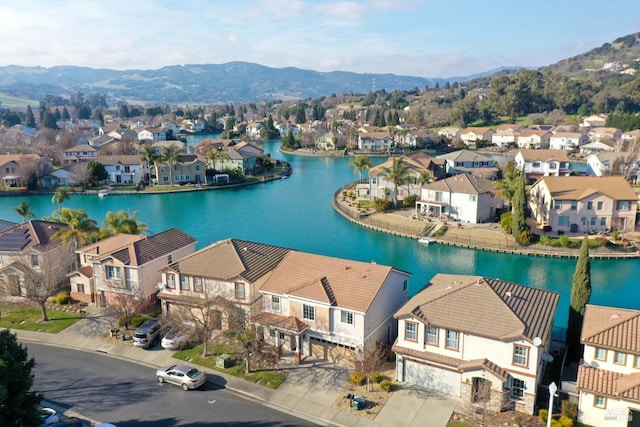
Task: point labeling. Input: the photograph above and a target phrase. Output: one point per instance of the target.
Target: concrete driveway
(413, 406)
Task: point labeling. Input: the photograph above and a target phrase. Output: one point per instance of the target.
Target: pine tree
(580, 294)
(65, 114)
(29, 118)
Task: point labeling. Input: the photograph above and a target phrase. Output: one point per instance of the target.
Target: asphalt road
(127, 394)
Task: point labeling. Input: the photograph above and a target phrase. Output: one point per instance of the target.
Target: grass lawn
(267, 378)
(30, 319)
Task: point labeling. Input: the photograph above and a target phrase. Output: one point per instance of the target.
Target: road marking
(211, 401)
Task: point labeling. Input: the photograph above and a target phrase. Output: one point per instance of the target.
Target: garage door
(432, 378)
(331, 352)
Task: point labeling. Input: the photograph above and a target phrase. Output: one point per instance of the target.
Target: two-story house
(463, 197)
(125, 264)
(331, 308)
(188, 169)
(609, 375)
(375, 141)
(538, 163)
(533, 139)
(13, 167)
(80, 153)
(466, 161)
(581, 204)
(152, 134)
(506, 135)
(605, 134)
(480, 339)
(597, 147)
(473, 135)
(567, 141)
(123, 169)
(612, 163)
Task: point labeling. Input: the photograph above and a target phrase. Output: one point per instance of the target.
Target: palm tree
(149, 156)
(61, 194)
(398, 173)
(170, 155)
(24, 210)
(506, 187)
(81, 230)
(425, 178)
(213, 156)
(361, 163)
(122, 222)
(224, 155)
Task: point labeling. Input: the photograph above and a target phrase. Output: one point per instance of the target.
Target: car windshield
(193, 372)
(172, 334)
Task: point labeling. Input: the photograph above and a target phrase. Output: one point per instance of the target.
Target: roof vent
(614, 316)
(245, 249)
(478, 282)
(508, 294)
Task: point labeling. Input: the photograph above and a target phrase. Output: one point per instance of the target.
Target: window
(520, 355)
(80, 287)
(603, 221)
(411, 331)
(593, 220)
(113, 272)
(535, 164)
(197, 284)
(619, 358)
(583, 220)
(452, 340)
(600, 401)
(165, 179)
(240, 290)
(563, 220)
(169, 259)
(308, 312)
(432, 335)
(574, 205)
(600, 206)
(275, 303)
(553, 165)
(472, 197)
(636, 362)
(600, 354)
(517, 388)
(171, 281)
(346, 317)
(184, 283)
(557, 204)
(589, 206)
(34, 260)
(197, 167)
(623, 205)
(405, 285)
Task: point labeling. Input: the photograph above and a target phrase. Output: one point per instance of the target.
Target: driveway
(413, 406)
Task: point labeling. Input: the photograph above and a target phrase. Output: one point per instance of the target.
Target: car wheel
(160, 379)
(185, 387)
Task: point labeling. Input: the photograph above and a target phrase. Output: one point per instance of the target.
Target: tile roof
(338, 282)
(149, 248)
(544, 155)
(110, 244)
(464, 183)
(613, 328)
(465, 156)
(35, 234)
(418, 162)
(580, 187)
(609, 383)
(485, 307)
(125, 159)
(288, 323)
(231, 258)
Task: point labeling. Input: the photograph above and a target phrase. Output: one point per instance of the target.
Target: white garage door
(432, 378)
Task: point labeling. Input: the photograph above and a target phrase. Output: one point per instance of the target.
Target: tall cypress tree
(29, 118)
(519, 208)
(580, 294)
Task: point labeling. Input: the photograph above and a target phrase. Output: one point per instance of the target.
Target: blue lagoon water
(297, 213)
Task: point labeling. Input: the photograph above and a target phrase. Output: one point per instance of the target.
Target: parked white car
(177, 338)
(185, 376)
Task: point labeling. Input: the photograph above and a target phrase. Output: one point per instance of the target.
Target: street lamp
(552, 393)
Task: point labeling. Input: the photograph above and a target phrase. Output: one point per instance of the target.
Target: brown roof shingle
(613, 328)
(609, 383)
(152, 247)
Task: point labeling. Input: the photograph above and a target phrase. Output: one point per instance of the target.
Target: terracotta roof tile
(152, 247)
(289, 323)
(579, 187)
(613, 328)
(464, 183)
(609, 383)
(544, 155)
(110, 244)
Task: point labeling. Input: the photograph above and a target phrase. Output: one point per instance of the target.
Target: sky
(422, 38)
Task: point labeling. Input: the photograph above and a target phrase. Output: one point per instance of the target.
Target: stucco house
(473, 135)
(122, 169)
(152, 134)
(375, 141)
(188, 169)
(480, 339)
(12, 167)
(462, 197)
(506, 135)
(609, 162)
(605, 133)
(609, 376)
(633, 136)
(595, 147)
(538, 163)
(567, 141)
(80, 153)
(126, 264)
(596, 120)
(584, 203)
(533, 139)
(465, 161)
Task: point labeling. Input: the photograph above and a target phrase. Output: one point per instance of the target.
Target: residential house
(327, 141)
(465, 161)
(375, 141)
(122, 169)
(594, 121)
(32, 247)
(596, 147)
(285, 127)
(608, 380)
(567, 141)
(506, 135)
(253, 129)
(631, 137)
(80, 153)
(152, 134)
(605, 133)
(158, 146)
(534, 139)
(450, 133)
(473, 135)
(229, 271)
(62, 177)
(420, 165)
(537, 163)
(462, 197)
(13, 167)
(188, 169)
(129, 265)
(191, 126)
(611, 163)
(480, 339)
(331, 308)
(103, 141)
(244, 161)
(582, 204)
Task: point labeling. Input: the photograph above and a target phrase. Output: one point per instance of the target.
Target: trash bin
(358, 403)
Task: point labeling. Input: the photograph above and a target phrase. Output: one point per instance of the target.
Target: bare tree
(123, 307)
(369, 358)
(82, 173)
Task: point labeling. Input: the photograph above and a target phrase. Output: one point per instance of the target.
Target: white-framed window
(452, 339)
(589, 206)
(593, 220)
(603, 221)
(113, 272)
(346, 317)
(620, 358)
(517, 388)
(308, 312)
(553, 165)
(275, 303)
(557, 204)
(411, 331)
(170, 259)
(623, 205)
(184, 283)
(535, 164)
(165, 179)
(171, 281)
(600, 401)
(600, 206)
(563, 220)
(520, 355)
(432, 335)
(574, 205)
(239, 290)
(600, 354)
(80, 287)
(197, 284)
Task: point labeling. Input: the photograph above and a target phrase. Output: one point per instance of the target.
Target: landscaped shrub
(570, 409)
(409, 201)
(506, 222)
(138, 319)
(63, 298)
(381, 205)
(386, 385)
(375, 377)
(543, 414)
(564, 241)
(615, 234)
(565, 421)
(356, 378)
(526, 237)
(440, 231)
(52, 300)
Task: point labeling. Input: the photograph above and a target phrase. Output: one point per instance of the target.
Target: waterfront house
(331, 308)
(595, 147)
(630, 137)
(123, 169)
(80, 153)
(612, 163)
(533, 139)
(61, 177)
(567, 141)
(188, 169)
(506, 135)
(253, 129)
(451, 133)
(461, 197)
(13, 168)
(465, 161)
(159, 145)
(127, 264)
(375, 141)
(472, 135)
(538, 163)
(152, 134)
(605, 133)
(609, 374)
(32, 247)
(480, 339)
(583, 203)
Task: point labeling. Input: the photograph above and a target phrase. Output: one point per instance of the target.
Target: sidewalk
(308, 392)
